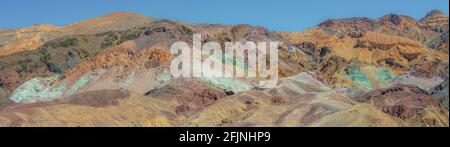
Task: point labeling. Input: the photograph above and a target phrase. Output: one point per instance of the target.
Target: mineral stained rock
(391, 71)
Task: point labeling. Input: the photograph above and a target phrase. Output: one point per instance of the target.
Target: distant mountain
(390, 24)
(392, 42)
(436, 21)
(119, 21)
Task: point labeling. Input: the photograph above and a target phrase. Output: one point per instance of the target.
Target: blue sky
(278, 15)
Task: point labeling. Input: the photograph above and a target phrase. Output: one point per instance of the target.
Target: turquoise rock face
(129, 80)
(228, 84)
(41, 89)
(384, 75)
(164, 77)
(235, 62)
(358, 77)
(80, 84)
(379, 78)
(38, 89)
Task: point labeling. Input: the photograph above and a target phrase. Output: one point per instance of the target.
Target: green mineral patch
(129, 80)
(235, 62)
(358, 77)
(368, 76)
(385, 75)
(80, 84)
(38, 89)
(164, 76)
(228, 84)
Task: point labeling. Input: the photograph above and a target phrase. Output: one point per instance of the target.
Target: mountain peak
(436, 21)
(398, 20)
(435, 13)
(45, 26)
(393, 18)
(346, 21)
(117, 21)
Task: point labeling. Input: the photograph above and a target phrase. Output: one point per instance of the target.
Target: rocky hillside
(440, 43)
(383, 43)
(119, 21)
(25, 39)
(391, 71)
(436, 21)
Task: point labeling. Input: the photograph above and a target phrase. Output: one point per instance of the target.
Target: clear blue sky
(278, 15)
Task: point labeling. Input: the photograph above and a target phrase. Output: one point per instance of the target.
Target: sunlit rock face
(30, 38)
(436, 21)
(408, 103)
(389, 71)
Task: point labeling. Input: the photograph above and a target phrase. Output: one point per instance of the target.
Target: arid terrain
(113, 70)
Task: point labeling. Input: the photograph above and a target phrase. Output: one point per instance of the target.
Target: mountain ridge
(342, 72)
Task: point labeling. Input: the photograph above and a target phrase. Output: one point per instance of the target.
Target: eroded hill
(391, 71)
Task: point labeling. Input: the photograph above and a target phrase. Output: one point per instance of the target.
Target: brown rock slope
(383, 42)
(440, 92)
(91, 109)
(440, 43)
(294, 58)
(436, 21)
(59, 55)
(298, 101)
(25, 39)
(370, 47)
(408, 103)
(9, 80)
(119, 21)
(119, 77)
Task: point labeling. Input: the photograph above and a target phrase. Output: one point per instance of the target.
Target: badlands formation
(114, 71)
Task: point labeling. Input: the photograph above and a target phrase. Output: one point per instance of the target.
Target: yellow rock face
(436, 21)
(361, 115)
(137, 111)
(26, 39)
(322, 72)
(119, 21)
